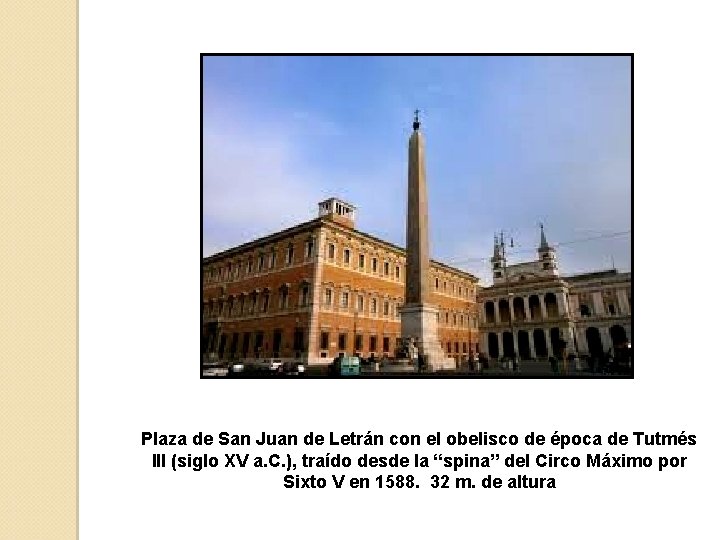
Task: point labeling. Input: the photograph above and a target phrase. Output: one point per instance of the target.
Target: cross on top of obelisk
(416, 123)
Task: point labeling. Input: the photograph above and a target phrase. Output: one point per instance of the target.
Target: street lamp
(507, 288)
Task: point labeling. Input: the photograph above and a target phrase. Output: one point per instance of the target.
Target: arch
(551, 305)
(493, 345)
(524, 345)
(490, 312)
(508, 344)
(518, 308)
(535, 311)
(504, 310)
(618, 336)
(594, 342)
(557, 343)
(541, 348)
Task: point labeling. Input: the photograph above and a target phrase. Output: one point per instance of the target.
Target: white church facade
(534, 311)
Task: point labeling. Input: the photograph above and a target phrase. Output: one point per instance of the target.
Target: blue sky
(510, 142)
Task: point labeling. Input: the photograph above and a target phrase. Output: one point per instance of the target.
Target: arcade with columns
(532, 311)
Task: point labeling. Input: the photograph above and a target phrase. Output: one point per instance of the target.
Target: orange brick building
(322, 288)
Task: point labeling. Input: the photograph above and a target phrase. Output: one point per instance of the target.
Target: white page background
(139, 278)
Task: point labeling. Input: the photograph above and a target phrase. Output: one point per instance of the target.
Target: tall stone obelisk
(418, 317)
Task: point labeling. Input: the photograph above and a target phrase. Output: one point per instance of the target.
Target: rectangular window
(397, 272)
(283, 298)
(249, 266)
(304, 295)
(373, 306)
(324, 340)
(266, 302)
(358, 342)
(386, 308)
(345, 299)
(387, 268)
(374, 265)
(386, 344)
(328, 297)
(464, 347)
(261, 262)
(346, 256)
(272, 260)
(331, 251)
(298, 340)
(457, 347)
(373, 343)
(309, 247)
(342, 342)
(360, 303)
(290, 255)
(361, 261)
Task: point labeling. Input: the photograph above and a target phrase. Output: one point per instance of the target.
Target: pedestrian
(553, 364)
(578, 363)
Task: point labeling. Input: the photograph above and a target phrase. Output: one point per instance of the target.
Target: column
(531, 339)
(605, 338)
(571, 340)
(526, 305)
(562, 303)
(548, 343)
(496, 304)
(515, 343)
(501, 352)
(582, 342)
(598, 304)
(623, 302)
(510, 306)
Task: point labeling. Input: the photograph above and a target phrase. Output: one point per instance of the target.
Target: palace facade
(323, 288)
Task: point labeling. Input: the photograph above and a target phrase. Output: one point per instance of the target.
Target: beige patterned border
(38, 269)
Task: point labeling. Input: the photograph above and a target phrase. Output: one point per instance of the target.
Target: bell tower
(546, 255)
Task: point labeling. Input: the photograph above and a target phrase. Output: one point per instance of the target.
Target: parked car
(291, 368)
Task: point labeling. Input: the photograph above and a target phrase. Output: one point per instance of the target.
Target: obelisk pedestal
(418, 316)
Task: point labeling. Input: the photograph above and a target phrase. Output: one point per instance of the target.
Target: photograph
(416, 216)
